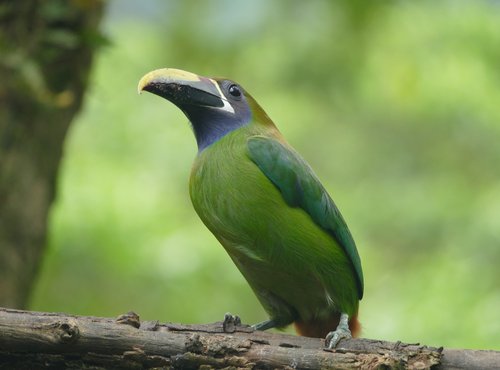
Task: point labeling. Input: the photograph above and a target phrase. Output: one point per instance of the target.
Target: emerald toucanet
(268, 209)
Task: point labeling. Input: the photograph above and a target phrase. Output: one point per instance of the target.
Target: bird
(267, 208)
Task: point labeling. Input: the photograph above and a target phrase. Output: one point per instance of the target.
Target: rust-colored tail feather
(320, 328)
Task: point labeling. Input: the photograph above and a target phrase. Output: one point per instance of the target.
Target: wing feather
(300, 187)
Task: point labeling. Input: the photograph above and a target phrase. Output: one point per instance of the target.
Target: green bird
(267, 208)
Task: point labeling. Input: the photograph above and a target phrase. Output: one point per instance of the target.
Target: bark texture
(46, 50)
(53, 340)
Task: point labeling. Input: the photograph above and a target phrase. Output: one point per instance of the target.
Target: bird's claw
(333, 338)
(230, 323)
(342, 332)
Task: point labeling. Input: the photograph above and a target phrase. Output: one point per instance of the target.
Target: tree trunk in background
(46, 50)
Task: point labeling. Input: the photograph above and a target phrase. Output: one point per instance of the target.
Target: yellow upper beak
(166, 75)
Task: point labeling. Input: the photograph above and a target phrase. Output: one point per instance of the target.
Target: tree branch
(55, 340)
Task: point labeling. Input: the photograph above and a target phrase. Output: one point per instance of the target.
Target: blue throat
(210, 124)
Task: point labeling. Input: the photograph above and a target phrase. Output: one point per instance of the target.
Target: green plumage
(268, 226)
(300, 187)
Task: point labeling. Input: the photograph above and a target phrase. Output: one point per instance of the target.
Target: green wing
(301, 188)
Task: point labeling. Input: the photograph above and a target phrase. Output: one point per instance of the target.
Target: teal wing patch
(301, 188)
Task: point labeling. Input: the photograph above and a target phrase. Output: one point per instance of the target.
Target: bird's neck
(211, 126)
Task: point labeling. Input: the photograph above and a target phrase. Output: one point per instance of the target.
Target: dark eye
(235, 91)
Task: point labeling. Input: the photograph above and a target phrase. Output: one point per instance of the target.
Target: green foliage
(396, 108)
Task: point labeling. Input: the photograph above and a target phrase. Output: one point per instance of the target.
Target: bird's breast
(230, 194)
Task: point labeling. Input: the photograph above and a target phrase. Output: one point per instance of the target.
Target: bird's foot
(129, 318)
(342, 332)
(230, 323)
(264, 325)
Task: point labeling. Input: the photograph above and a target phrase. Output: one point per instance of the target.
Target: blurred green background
(396, 105)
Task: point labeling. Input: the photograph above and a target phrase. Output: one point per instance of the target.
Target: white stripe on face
(227, 107)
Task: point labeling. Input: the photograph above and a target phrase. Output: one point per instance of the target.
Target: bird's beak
(183, 88)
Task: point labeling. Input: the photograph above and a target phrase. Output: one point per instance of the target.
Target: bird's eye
(235, 91)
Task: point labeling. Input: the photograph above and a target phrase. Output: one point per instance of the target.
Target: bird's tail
(320, 328)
